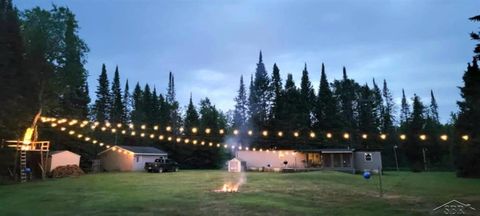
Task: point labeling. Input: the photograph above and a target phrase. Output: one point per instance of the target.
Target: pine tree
(467, 153)
(377, 105)
(240, 112)
(476, 36)
(433, 109)
(307, 99)
(416, 126)
(326, 110)
(367, 119)
(405, 110)
(389, 109)
(345, 91)
(260, 95)
(290, 119)
(192, 118)
(127, 102)
(155, 107)
(277, 94)
(138, 112)
(117, 106)
(147, 105)
(173, 112)
(102, 103)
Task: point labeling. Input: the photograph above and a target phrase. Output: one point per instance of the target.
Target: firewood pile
(66, 171)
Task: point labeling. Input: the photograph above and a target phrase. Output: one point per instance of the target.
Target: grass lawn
(190, 193)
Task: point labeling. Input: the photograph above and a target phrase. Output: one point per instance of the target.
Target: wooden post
(380, 181)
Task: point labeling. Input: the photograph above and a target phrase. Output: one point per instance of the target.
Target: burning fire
(229, 188)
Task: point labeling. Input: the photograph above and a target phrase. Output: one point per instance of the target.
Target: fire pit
(228, 188)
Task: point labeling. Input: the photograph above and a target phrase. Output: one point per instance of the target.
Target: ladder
(23, 165)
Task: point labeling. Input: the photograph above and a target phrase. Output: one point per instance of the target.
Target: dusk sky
(415, 45)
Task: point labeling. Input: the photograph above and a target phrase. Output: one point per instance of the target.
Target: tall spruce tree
(416, 126)
(241, 106)
(172, 103)
(366, 112)
(147, 105)
(155, 106)
(389, 109)
(326, 110)
(467, 153)
(117, 109)
(192, 118)
(307, 99)
(476, 36)
(260, 95)
(127, 102)
(138, 112)
(405, 110)
(377, 105)
(346, 93)
(277, 93)
(101, 109)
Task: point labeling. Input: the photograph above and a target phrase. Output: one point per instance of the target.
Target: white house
(62, 158)
(129, 158)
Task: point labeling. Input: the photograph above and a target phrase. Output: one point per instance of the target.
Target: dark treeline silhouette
(42, 62)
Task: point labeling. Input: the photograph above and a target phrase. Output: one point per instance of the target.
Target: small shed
(368, 160)
(62, 158)
(234, 165)
(129, 158)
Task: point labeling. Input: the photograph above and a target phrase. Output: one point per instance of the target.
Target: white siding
(142, 159)
(116, 161)
(361, 164)
(257, 159)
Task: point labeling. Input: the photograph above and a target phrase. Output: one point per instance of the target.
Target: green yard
(190, 193)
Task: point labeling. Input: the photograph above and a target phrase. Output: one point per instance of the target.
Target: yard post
(380, 181)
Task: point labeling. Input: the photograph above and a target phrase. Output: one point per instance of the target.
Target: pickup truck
(161, 165)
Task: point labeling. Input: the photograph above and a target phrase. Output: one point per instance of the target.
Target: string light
(103, 128)
(124, 131)
(181, 129)
(114, 130)
(152, 136)
(130, 126)
(194, 130)
(155, 127)
(280, 134)
(169, 138)
(71, 132)
(168, 128)
(383, 136)
(250, 132)
(179, 139)
(465, 137)
(142, 134)
(329, 135)
(133, 133)
(194, 142)
(312, 134)
(203, 143)
(235, 132)
(346, 136)
(119, 125)
(187, 141)
(403, 137)
(296, 134)
(143, 127)
(53, 124)
(364, 136)
(63, 129)
(423, 137)
(265, 133)
(108, 124)
(160, 137)
(210, 144)
(221, 131)
(444, 137)
(208, 130)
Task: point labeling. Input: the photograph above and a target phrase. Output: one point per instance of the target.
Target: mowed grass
(191, 193)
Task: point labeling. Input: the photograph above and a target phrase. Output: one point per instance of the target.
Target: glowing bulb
(169, 138)
(312, 135)
(181, 129)
(194, 142)
(194, 130)
(239, 147)
(423, 137)
(103, 128)
(210, 144)
(114, 148)
(444, 137)
(108, 124)
(221, 131)
(208, 131)
(235, 132)
(225, 146)
(130, 126)
(203, 143)
(179, 139)
(280, 133)
(465, 137)
(383, 136)
(94, 141)
(254, 149)
(63, 129)
(143, 127)
(329, 135)
(250, 132)
(124, 131)
(187, 141)
(346, 135)
(161, 137)
(119, 125)
(265, 133)
(218, 145)
(168, 128)
(155, 127)
(296, 134)
(114, 130)
(364, 136)
(142, 134)
(87, 139)
(152, 136)
(71, 132)
(246, 148)
(53, 124)
(403, 137)
(133, 133)
(79, 135)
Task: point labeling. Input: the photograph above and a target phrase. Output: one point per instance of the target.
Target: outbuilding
(129, 158)
(62, 158)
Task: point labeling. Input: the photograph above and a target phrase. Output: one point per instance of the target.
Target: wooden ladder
(23, 165)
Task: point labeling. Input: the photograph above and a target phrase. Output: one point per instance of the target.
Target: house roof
(60, 151)
(329, 150)
(139, 150)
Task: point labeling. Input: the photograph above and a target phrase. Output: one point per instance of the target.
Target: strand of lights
(94, 125)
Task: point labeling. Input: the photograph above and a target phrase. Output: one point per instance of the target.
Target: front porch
(329, 159)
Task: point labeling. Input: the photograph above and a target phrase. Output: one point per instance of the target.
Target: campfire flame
(229, 188)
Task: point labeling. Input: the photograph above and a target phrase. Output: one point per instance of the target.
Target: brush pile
(66, 171)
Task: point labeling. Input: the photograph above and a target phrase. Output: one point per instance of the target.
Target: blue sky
(415, 45)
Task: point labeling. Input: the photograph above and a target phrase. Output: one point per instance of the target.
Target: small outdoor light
(181, 129)
(194, 142)
(444, 137)
(465, 137)
(194, 130)
(312, 134)
(129, 126)
(124, 131)
(143, 127)
(71, 132)
(155, 127)
(187, 141)
(169, 138)
(235, 132)
(250, 132)
(142, 134)
(152, 136)
(346, 136)
(63, 129)
(329, 135)
(296, 134)
(364, 136)
(161, 137)
(208, 131)
(383, 136)
(94, 141)
(119, 125)
(114, 130)
(403, 137)
(423, 137)
(221, 131)
(133, 133)
(108, 124)
(168, 128)
(179, 139)
(280, 133)
(103, 128)
(265, 133)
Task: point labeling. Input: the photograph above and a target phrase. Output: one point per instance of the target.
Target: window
(368, 156)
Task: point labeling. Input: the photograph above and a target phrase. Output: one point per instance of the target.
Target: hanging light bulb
(194, 130)
(296, 134)
(181, 129)
(168, 128)
(235, 132)
(131, 126)
(312, 134)
(63, 128)
(265, 133)
(143, 127)
(114, 130)
(465, 137)
(403, 136)
(383, 136)
(161, 137)
(364, 136)
(280, 134)
(152, 136)
(221, 131)
(346, 136)
(423, 137)
(444, 137)
(250, 132)
(329, 135)
(119, 125)
(208, 130)
(155, 127)
(108, 124)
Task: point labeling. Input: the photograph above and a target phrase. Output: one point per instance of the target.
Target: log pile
(66, 171)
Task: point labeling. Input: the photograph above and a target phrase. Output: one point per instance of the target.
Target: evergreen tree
(433, 109)
(290, 119)
(102, 103)
(240, 112)
(405, 110)
(307, 99)
(433, 126)
(260, 95)
(147, 105)
(277, 93)
(389, 109)
(127, 102)
(345, 91)
(155, 107)
(326, 110)
(172, 103)
(416, 126)
(192, 118)
(467, 153)
(138, 112)
(366, 112)
(117, 106)
(476, 36)
(377, 105)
